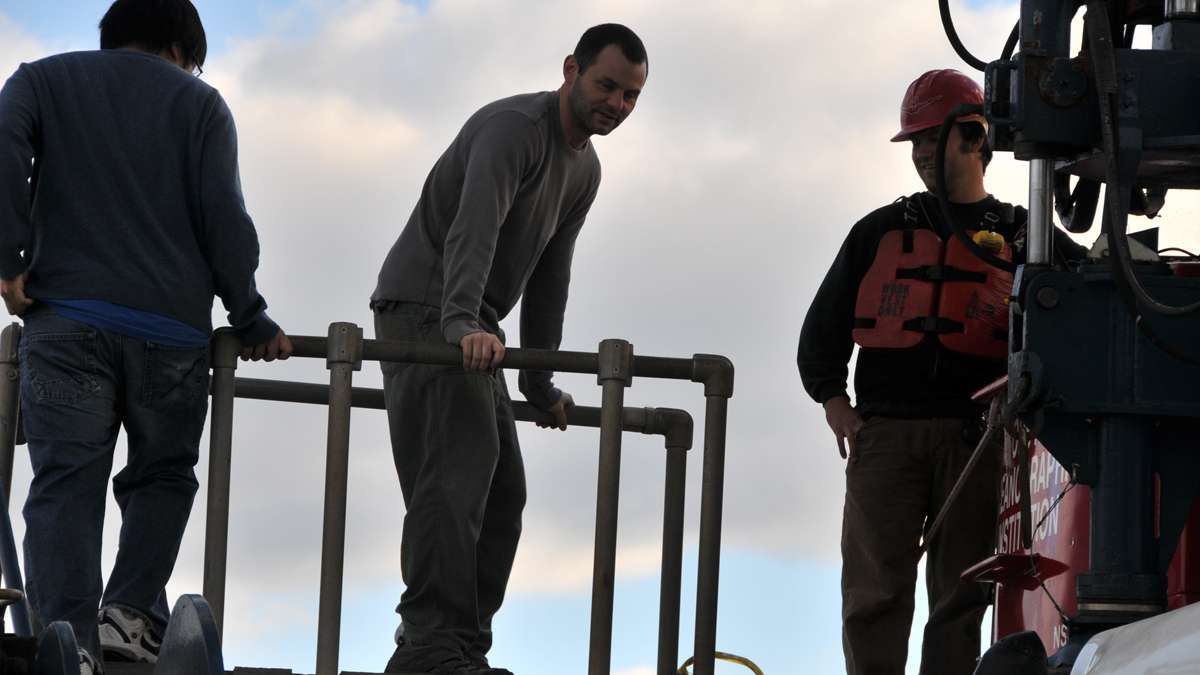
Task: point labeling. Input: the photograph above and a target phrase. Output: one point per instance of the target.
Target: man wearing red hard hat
(930, 319)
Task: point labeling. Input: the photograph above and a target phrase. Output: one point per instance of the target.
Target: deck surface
(148, 669)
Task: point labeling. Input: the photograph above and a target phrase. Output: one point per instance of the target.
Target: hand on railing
(278, 347)
(558, 414)
(482, 351)
(13, 292)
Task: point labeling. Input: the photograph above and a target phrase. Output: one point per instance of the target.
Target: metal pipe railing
(674, 425)
(615, 366)
(10, 405)
(223, 357)
(344, 356)
(10, 402)
(671, 585)
(344, 351)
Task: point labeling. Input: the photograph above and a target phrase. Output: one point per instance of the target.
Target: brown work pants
(897, 480)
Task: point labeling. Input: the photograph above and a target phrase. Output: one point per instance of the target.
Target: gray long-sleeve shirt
(135, 197)
(498, 217)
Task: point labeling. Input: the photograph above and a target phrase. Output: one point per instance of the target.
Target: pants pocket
(59, 367)
(175, 377)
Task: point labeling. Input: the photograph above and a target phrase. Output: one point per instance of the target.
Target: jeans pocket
(175, 377)
(59, 367)
(407, 322)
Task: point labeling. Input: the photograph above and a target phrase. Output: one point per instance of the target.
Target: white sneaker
(127, 636)
(88, 665)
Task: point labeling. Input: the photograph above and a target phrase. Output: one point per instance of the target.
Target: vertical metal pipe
(344, 357)
(672, 561)
(711, 499)
(225, 348)
(11, 569)
(615, 373)
(1041, 209)
(10, 398)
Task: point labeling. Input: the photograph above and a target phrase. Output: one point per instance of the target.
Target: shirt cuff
(457, 329)
(542, 398)
(258, 331)
(830, 391)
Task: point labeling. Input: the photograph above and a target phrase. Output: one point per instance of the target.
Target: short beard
(582, 111)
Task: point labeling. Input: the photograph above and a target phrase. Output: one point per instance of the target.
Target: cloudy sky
(761, 137)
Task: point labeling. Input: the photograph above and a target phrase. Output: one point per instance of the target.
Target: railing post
(615, 374)
(716, 373)
(224, 352)
(10, 401)
(344, 356)
(677, 430)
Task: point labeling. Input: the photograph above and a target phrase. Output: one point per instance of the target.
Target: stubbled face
(924, 152)
(604, 95)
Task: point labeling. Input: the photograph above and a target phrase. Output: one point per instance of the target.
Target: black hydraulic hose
(1128, 286)
(944, 197)
(1076, 207)
(1105, 71)
(1010, 45)
(952, 35)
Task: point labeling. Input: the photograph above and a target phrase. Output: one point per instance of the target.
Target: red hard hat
(932, 96)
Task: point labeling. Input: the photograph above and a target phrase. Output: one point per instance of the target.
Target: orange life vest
(920, 285)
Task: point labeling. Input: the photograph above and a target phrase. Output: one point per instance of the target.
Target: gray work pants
(454, 440)
(897, 480)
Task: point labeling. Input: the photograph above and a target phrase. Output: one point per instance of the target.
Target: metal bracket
(345, 345)
(616, 362)
(716, 372)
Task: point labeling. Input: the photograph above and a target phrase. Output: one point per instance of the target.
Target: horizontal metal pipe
(656, 421)
(514, 358)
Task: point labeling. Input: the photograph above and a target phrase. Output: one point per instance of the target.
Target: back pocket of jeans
(59, 367)
(175, 377)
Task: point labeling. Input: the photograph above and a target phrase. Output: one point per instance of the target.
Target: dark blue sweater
(135, 197)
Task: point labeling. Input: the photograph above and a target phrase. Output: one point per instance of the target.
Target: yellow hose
(721, 656)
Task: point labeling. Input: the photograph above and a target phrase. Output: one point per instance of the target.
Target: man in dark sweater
(121, 216)
(930, 320)
(497, 219)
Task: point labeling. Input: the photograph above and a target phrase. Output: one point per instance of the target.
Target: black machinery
(1104, 361)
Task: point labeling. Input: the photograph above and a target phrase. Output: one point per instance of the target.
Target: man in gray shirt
(497, 218)
(121, 216)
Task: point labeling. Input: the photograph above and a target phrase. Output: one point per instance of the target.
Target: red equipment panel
(1025, 579)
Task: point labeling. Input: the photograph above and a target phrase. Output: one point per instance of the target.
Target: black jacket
(924, 381)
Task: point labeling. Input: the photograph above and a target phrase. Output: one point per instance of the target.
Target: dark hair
(156, 26)
(972, 132)
(596, 38)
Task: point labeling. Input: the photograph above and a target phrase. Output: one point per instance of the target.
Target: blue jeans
(79, 385)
